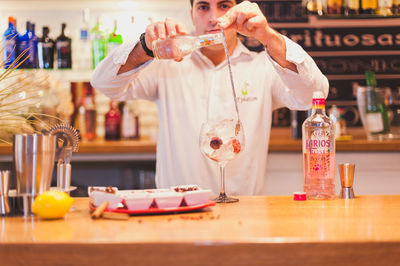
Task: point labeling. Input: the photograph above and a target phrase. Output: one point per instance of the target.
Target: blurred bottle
(334, 7)
(376, 114)
(385, 8)
(9, 43)
(334, 115)
(298, 118)
(369, 6)
(396, 7)
(314, 7)
(351, 7)
(113, 122)
(28, 42)
(129, 123)
(342, 122)
(114, 39)
(85, 53)
(63, 46)
(99, 47)
(46, 50)
(90, 113)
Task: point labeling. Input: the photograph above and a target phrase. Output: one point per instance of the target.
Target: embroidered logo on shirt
(245, 94)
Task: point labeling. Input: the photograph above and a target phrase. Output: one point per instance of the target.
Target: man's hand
(163, 30)
(248, 20)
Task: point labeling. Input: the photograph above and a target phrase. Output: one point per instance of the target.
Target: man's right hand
(163, 30)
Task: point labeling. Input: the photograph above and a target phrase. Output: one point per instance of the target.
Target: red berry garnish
(215, 143)
(236, 146)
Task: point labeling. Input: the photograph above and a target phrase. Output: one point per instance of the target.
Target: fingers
(160, 29)
(245, 17)
(163, 30)
(228, 19)
(180, 29)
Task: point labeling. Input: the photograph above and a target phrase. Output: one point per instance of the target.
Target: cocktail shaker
(33, 156)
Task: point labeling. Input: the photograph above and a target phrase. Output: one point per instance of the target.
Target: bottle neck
(208, 39)
(318, 106)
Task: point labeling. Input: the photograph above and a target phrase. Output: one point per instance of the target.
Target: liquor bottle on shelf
(99, 47)
(376, 114)
(90, 113)
(28, 42)
(84, 58)
(334, 115)
(63, 46)
(351, 7)
(396, 7)
(314, 7)
(334, 7)
(384, 8)
(113, 122)
(369, 6)
(298, 118)
(129, 123)
(9, 43)
(114, 39)
(46, 50)
(319, 152)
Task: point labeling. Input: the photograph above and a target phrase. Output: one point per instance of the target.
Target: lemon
(52, 204)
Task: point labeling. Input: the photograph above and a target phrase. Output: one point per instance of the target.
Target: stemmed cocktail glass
(222, 141)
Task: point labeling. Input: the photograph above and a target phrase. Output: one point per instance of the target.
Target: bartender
(283, 75)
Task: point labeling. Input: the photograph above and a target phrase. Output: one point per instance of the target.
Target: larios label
(319, 142)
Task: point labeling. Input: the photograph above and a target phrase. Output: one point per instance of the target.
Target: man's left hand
(248, 20)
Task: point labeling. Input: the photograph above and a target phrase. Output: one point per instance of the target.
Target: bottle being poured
(179, 46)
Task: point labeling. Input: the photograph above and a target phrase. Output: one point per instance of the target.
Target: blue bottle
(10, 39)
(28, 42)
(33, 47)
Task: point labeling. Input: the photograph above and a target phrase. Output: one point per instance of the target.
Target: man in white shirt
(283, 75)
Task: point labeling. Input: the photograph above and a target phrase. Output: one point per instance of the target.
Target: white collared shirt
(181, 91)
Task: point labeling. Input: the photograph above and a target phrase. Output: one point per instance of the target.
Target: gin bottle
(46, 50)
(114, 39)
(63, 47)
(182, 45)
(319, 152)
(9, 46)
(376, 113)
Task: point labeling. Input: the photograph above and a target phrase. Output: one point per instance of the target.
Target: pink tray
(157, 210)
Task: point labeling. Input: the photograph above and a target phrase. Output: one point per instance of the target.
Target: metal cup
(34, 162)
(4, 201)
(346, 171)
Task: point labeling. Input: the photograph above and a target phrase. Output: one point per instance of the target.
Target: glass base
(223, 198)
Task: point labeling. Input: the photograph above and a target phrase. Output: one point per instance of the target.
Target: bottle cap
(318, 95)
(299, 196)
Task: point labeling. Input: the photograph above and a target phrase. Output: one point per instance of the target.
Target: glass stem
(222, 171)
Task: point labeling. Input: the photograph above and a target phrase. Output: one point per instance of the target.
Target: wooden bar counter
(259, 230)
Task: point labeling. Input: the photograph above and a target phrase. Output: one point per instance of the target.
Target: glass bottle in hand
(179, 46)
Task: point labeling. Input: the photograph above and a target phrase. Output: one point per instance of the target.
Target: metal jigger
(346, 171)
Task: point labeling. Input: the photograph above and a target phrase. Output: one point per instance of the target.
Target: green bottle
(114, 39)
(99, 44)
(376, 113)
